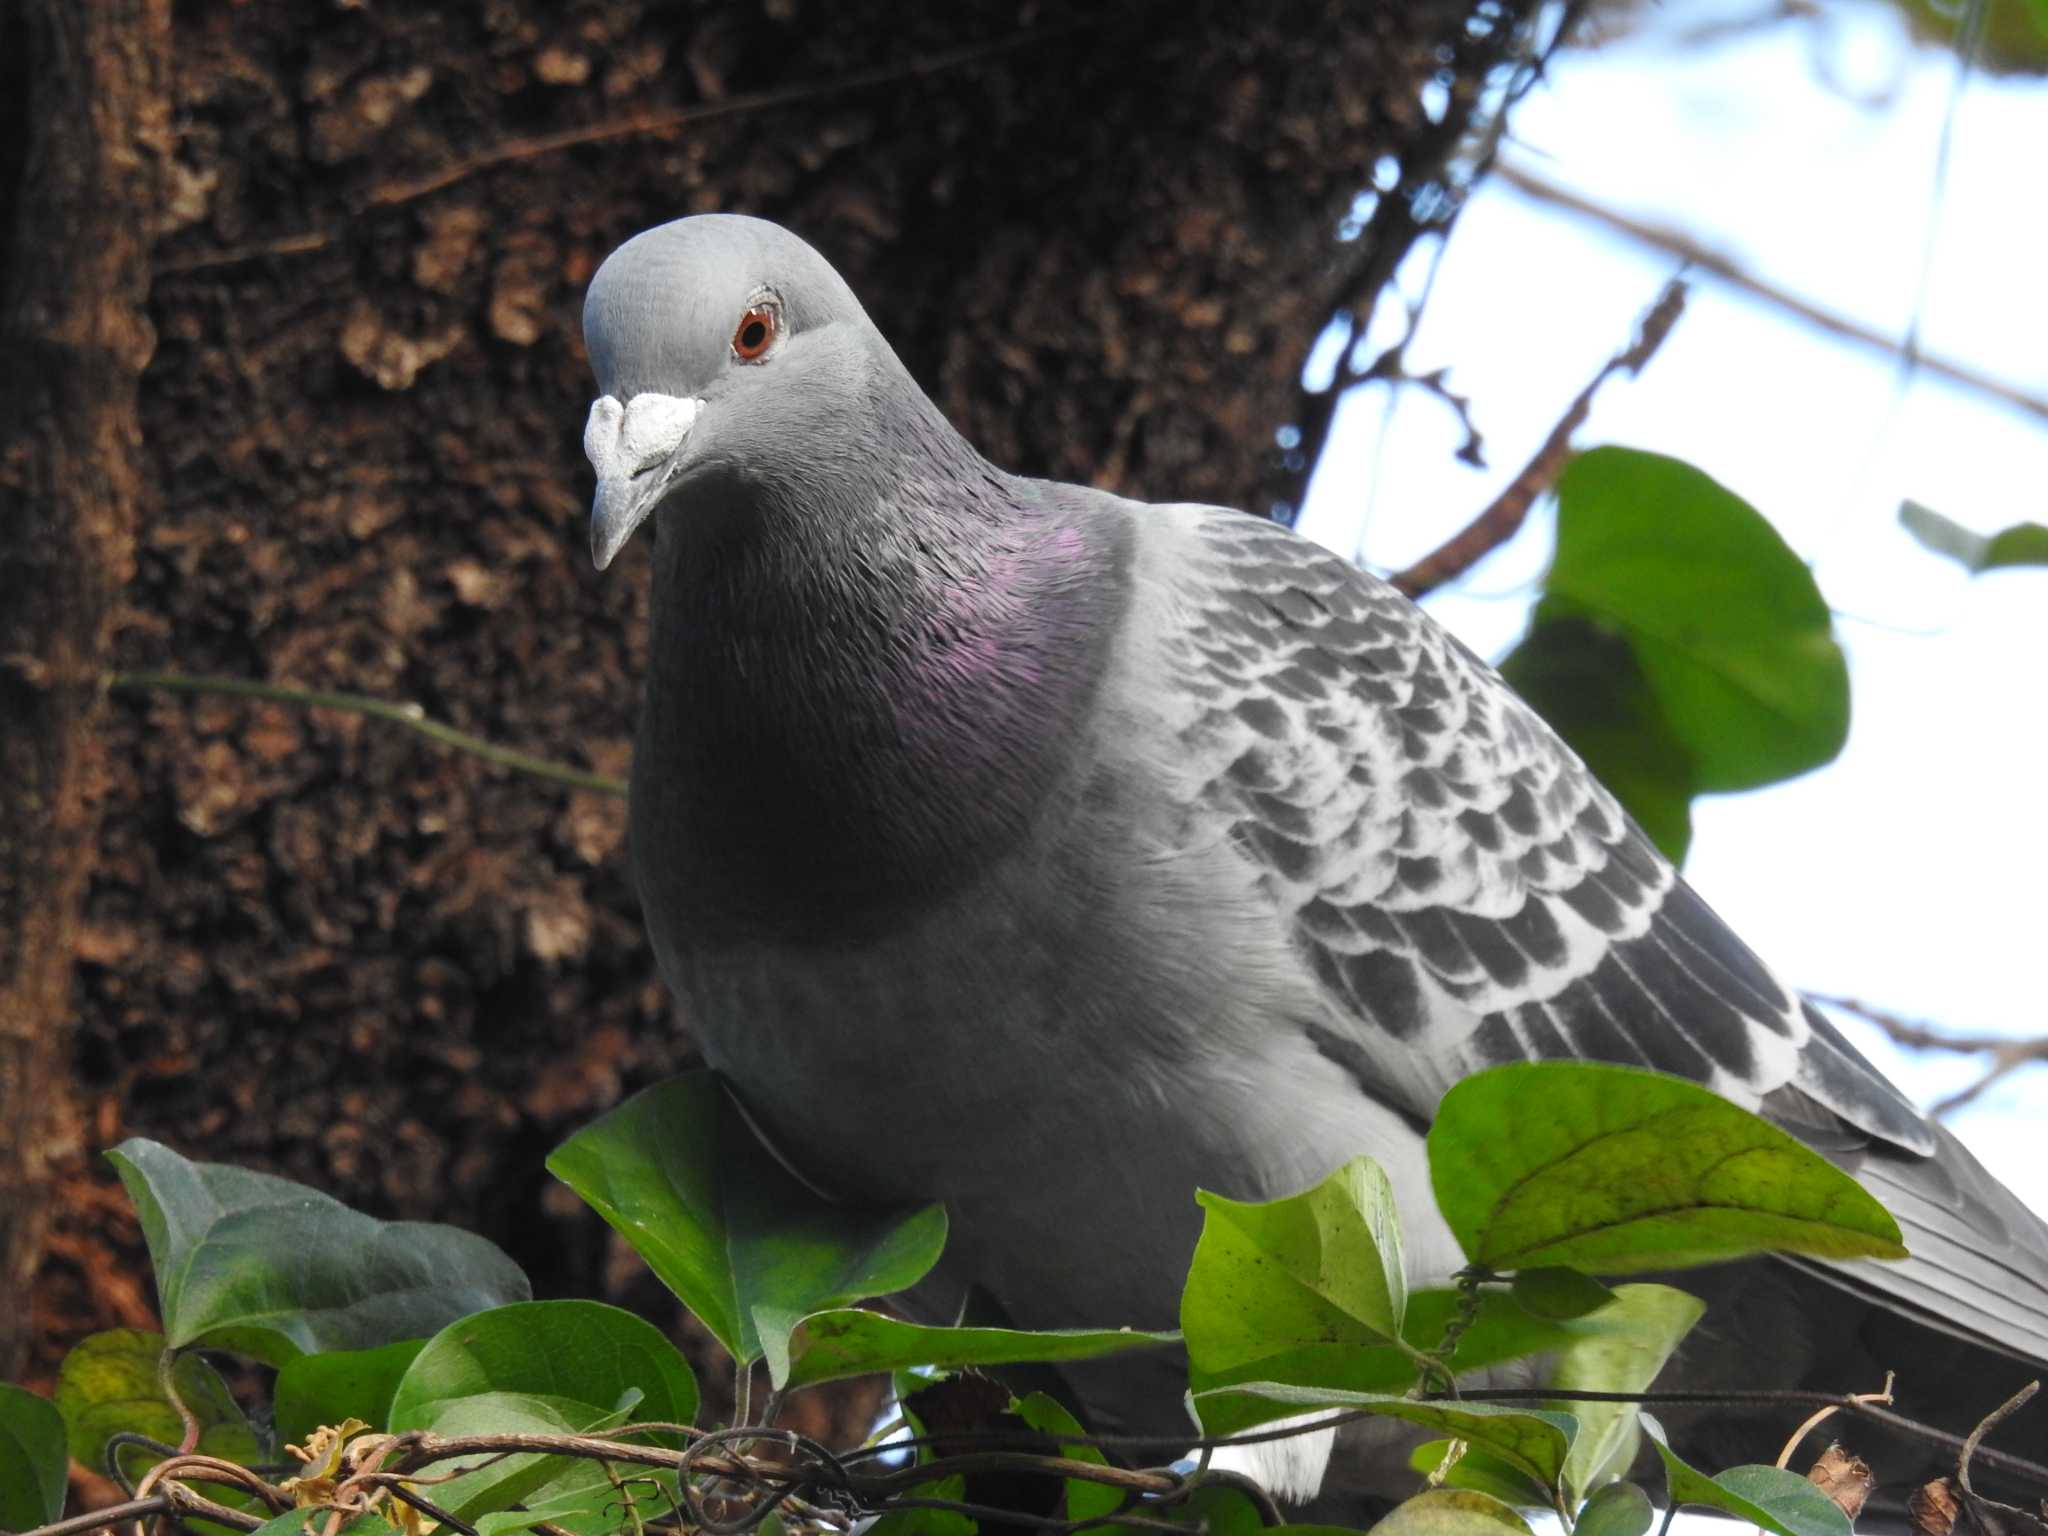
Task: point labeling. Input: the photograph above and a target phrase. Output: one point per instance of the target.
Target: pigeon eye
(755, 333)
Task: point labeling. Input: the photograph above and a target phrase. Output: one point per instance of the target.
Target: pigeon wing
(1465, 893)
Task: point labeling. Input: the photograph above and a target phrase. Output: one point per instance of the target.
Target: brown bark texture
(80, 194)
(1102, 236)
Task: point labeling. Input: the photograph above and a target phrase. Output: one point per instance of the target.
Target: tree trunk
(88, 104)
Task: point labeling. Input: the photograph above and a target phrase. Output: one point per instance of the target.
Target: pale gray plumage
(1014, 844)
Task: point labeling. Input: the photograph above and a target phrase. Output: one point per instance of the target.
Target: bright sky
(1913, 872)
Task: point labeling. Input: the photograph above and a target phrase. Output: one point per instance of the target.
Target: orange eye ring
(755, 333)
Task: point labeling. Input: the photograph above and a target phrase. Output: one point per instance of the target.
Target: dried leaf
(1843, 1477)
(1933, 1508)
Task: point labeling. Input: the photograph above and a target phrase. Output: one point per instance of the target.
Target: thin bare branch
(397, 193)
(1688, 249)
(1391, 367)
(1973, 1446)
(761, 1485)
(1437, 171)
(1913, 1035)
(2003, 1461)
(1507, 512)
(2008, 1053)
(411, 716)
(1821, 1415)
(100, 1519)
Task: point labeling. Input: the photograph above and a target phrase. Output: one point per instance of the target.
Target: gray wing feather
(1465, 893)
(1980, 1257)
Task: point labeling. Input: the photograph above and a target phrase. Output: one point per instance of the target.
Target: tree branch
(410, 716)
(800, 1465)
(1510, 509)
(1437, 174)
(397, 193)
(2008, 1053)
(1684, 246)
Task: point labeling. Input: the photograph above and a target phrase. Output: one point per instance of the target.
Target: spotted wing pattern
(1463, 889)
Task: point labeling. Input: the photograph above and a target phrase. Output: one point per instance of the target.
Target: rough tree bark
(91, 82)
(1102, 236)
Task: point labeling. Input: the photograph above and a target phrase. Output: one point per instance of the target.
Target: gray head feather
(660, 313)
(688, 412)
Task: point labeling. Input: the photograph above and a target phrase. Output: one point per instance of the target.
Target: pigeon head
(725, 349)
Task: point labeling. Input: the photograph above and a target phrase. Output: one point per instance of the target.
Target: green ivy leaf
(1215, 1509)
(491, 1486)
(1320, 1267)
(108, 1385)
(1219, 1510)
(1731, 631)
(725, 1225)
(564, 1351)
(1647, 1322)
(1680, 645)
(1535, 1441)
(1583, 677)
(588, 1508)
(34, 1465)
(1619, 1509)
(1559, 1291)
(1771, 1497)
(1452, 1512)
(1612, 1169)
(310, 1522)
(928, 1522)
(1500, 1329)
(272, 1269)
(556, 1367)
(852, 1341)
(1084, 1500)
(2021, 544)
(350, 1384)
(2002, 39)
(1480, 1472)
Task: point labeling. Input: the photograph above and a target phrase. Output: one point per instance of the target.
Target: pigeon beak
(638, 450)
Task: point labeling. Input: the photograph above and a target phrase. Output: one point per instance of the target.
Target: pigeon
(1018, 845)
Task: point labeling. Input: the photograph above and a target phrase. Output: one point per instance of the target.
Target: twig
(1390, 367)
(298, 243)
(213, 1469)
(397, 1489)
(765, 1486)
(1425, 201)
(1686, 248)
(1822, 1415)
(121, 1440)
(166, 1364)
(1262, 1501)
(1024, 1461)
(411, 716)
(742, 1391)
(2003, 1461)
(1991, 1421)
(393, 194)
(2008, 1063)
(2008, 1053)
(988, 1512)
(1506, 513)
(1911, 1034)
(176, 1499)
(113, 1514)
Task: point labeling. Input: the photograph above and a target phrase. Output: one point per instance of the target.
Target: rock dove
(1018, 845)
